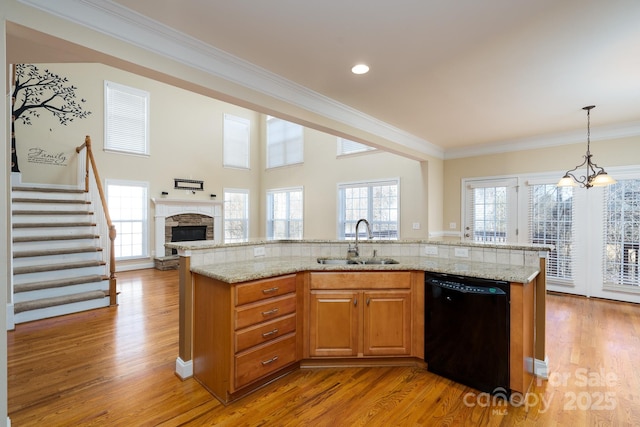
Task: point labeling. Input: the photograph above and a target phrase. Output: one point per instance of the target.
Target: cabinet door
(333, 323)
(387, 323)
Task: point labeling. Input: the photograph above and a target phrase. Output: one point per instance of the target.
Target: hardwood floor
(115, 366)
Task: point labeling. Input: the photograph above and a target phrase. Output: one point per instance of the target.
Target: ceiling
(459, 75)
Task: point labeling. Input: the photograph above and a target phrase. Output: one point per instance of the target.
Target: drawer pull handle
(270, 290)
(268, 334)
(266, 362)
(270, 312)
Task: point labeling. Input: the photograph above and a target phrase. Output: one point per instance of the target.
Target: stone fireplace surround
(177, 212)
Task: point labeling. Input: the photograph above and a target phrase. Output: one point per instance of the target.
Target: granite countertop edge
(244, 271)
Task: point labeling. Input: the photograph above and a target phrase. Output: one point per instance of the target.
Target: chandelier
(595, 175)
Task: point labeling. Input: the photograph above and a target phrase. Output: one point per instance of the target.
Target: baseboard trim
(184, 369)
(11, 322)
(541, 368)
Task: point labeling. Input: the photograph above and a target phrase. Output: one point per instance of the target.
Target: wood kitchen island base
(247, 335)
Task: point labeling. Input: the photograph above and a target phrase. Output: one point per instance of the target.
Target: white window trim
(282, 190)
(248, 222)
(145, 228)
(363, 183)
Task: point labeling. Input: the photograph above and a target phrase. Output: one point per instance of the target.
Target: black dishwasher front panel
(467, 330)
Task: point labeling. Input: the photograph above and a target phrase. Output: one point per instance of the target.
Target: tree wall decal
(36, 91)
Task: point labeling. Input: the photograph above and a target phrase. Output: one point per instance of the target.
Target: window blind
(236, 141)
(285, 143)
(126, 119)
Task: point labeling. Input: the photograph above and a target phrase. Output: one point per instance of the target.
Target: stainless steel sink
(378, 261)
(361, 261)
(338, 261)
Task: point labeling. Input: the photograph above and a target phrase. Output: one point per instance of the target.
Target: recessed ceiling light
(360, 69)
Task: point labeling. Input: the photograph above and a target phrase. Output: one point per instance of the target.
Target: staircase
(58, 261)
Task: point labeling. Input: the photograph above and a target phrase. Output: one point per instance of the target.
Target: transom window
(346, 146)
(285, 143)
(126, 122)
(236, 142)
(377, 202)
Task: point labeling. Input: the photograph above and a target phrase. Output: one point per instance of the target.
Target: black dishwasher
(467, 330)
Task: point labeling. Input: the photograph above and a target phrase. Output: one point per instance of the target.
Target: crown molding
(602, 133)
(121, 23)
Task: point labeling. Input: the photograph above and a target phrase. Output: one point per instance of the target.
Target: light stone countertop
(236, 272)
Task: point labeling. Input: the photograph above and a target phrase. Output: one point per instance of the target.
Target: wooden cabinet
(363, 314)
(244, 335)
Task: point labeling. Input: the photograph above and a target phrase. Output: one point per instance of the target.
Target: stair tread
(50, 201)
(48, 284)
(51, 212)
(61, 251)
(23, 239)
(54, 267)
(20, 307)
(54, 224)
(47, 189)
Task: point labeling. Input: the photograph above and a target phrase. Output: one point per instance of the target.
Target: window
(236, 215)
(126, 121)
(285, 214)
(490, 214)
(622, 234)
(551, 222)
(236, 142)
(377, 202)
(285, 143)
(346, 146)
(127, 203)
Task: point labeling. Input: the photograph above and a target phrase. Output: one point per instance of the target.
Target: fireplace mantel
(169, 207)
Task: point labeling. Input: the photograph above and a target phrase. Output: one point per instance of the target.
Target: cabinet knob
(270, 312)
(270, 290)
(355, 301)
(368, 301)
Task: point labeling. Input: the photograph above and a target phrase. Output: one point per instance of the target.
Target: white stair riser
(44, 195)
(51, 219)
(57, 259)
(61, 291)
(54, 244)
(28, 316)
(53, 231)
(59, 274)
(32, 206)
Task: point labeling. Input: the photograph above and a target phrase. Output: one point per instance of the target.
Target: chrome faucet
(355, 251)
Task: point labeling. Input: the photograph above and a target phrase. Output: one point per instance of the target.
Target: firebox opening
(186, 233)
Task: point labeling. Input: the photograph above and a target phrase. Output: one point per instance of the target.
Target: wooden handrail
(112, 229)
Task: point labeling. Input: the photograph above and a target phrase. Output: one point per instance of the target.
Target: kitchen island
(315, 293)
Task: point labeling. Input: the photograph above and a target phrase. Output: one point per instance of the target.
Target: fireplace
(175, 213)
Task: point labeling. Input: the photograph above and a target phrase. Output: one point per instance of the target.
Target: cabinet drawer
(263, 289)
(251, 314)
(264, 332)
(361, 280)
(264, 360)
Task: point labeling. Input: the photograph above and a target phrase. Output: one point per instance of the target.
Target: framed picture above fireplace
(188, 184)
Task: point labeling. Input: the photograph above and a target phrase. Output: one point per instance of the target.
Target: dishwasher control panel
(469, 289)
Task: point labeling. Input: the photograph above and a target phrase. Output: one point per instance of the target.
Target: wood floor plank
(115, 366)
